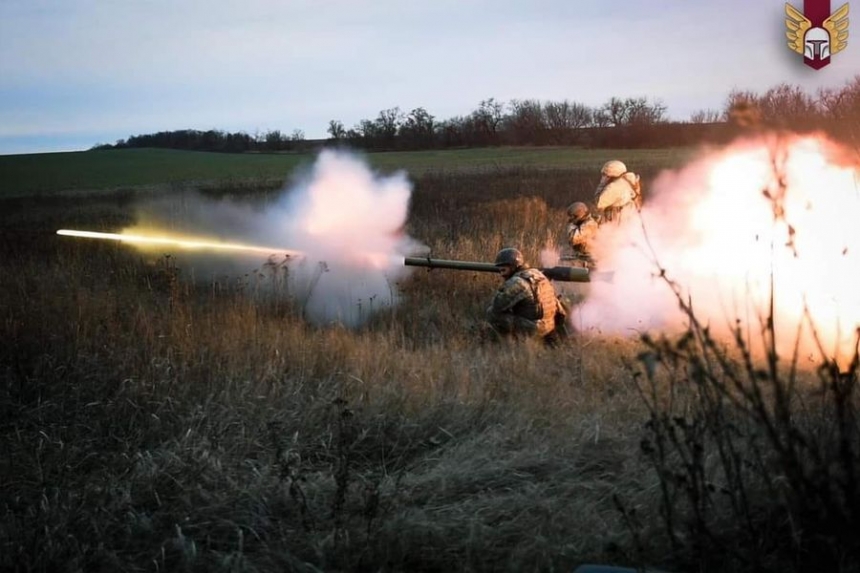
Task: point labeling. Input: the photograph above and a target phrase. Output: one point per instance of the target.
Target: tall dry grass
(153, 423)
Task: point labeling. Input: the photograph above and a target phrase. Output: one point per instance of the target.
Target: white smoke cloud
(346, 220)
(712, 227)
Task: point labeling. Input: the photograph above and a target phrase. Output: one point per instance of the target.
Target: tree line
(619, 122)
(213, 140)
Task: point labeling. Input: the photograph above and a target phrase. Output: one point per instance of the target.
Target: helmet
(814, 38)
(577, 211)
(509, 256)
(613, 168)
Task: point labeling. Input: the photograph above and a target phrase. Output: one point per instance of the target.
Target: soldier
(619, 191)
(526, 305)
(581, 230)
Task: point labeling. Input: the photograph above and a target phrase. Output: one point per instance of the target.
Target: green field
(110, 170)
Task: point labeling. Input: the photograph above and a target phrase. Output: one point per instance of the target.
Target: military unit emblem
(816, 33)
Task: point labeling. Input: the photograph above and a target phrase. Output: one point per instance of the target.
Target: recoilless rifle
(560, 273)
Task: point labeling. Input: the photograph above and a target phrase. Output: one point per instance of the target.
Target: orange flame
(727, 225)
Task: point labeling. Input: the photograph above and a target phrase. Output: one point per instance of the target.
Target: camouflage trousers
(507, 324)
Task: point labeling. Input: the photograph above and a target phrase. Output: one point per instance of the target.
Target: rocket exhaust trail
(337, 212)
(190, 243)
(371, 259)
(566, 274)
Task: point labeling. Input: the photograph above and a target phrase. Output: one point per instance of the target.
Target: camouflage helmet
(577, 210)
(613, 168)
(509, 256)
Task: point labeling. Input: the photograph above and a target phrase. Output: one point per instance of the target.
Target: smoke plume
(780, 207)
(346, 221)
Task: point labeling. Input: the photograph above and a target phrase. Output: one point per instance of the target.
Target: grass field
(152, 422)
(124, 169)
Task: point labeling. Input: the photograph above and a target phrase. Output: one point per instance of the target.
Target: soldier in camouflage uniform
(618, 192)
(526, 304)
(581, 231)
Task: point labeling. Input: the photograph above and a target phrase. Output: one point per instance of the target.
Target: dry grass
(153, 424)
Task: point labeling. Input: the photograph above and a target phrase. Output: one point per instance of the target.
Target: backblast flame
(767, 216)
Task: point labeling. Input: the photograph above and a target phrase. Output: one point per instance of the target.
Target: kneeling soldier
(526, 304)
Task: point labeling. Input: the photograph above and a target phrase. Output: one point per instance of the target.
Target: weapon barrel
(449, 264)
(565, 274)
(568, 274)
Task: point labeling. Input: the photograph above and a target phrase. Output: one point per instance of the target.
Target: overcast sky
(74, 73)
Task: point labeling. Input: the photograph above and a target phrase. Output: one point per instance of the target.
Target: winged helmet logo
(815, 33)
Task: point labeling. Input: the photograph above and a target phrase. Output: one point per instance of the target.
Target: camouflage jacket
(613, 195)
(528, 294)
(581, 235)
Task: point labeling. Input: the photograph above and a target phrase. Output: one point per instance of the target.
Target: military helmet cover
(613, 168)
(509, 256)
(577, 210)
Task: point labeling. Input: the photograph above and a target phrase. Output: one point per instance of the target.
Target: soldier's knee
(499, 322)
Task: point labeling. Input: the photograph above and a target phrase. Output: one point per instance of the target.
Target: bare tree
(487, 119)
(366, 133)
(633, 111)
(564, 118)
(387, 124)
(567, 115)
(600, 118)
(418, 129)
(706, 116)
(841, 103)
(275, 140)
(640, 111)
(615, 111)
(336, 130)
(842, 107)
(526, 121)
(786, 103)
(452, 132)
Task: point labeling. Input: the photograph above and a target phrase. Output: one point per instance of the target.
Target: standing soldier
(618, 191)
(526, 305)
(581, 230)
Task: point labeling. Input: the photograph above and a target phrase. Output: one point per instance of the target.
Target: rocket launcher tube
(562, 273)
